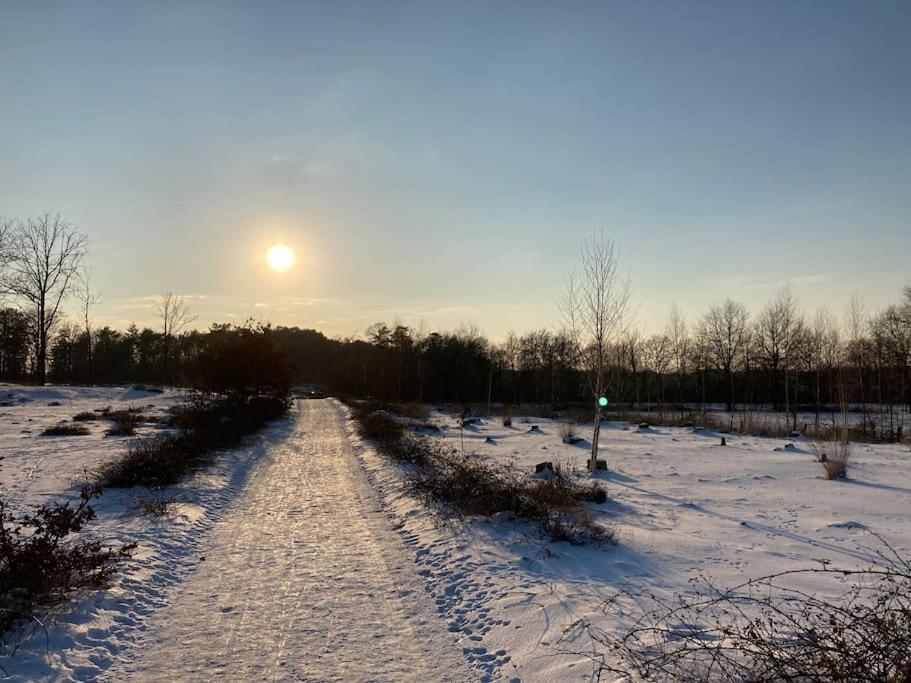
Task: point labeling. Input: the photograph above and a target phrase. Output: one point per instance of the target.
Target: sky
(440, 163)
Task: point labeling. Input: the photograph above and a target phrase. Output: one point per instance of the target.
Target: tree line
(778, 357)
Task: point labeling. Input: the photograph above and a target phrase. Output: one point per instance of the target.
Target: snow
(682, 507)
(86, 637)
(320, 566)
(37, 467)
(302, 579)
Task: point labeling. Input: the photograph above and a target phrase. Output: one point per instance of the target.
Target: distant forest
(779, 357)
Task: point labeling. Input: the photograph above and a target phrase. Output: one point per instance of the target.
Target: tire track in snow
(303, 580)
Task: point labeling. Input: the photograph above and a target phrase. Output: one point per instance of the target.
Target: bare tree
(893, 333)
(678, 332)
(657, 356)
(497, 358)
(631, 346)
(88, 297)
(794, 339)
(826, 347)
(44, 257)
(595, 308)
(6, 233)
(779, 333)
(175, 315)
(726, 335)
(857, 325)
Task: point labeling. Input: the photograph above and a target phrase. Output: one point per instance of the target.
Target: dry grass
(834, 456)
(124, 424)
(203, 429)
(463, 485)
(46, 557)
(568, 432)
(155, 504)
(64, 429)
(766, 629)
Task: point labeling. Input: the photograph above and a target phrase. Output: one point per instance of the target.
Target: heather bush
(40, 564)
(64, 429)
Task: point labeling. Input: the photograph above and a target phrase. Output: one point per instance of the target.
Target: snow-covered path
(303, 579)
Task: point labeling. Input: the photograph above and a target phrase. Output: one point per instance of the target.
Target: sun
(280, 258)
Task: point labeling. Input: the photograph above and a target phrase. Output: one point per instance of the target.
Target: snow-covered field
(759, 419)
(682, 507)
(86, 637)
(301, 556)
(36, 467)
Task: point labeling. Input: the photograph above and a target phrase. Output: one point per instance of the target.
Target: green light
(602, 402)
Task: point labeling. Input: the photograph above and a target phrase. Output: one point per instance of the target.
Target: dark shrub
(64, 429)
(39, 565)
(149, 462)
(155, 504)
(466, 485)
(125, 422)
(381, 427)
(204, 426)
(389, 434)
(85, 417)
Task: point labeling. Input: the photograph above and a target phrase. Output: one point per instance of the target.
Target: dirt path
(303, 580)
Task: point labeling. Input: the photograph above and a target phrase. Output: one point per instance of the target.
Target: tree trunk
(41, 350)
(787, 395)
(818, 406)
(489, 391)
(593, 462)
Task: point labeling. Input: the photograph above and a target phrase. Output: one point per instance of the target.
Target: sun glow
(280, 258)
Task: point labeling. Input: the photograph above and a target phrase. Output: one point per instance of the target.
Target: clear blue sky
(443, 161)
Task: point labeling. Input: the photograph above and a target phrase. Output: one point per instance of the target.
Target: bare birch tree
(857, 325)
(595, 308)
(88, 297)
(678, 332)
(175, 315)
(823, 346)
(44, 258)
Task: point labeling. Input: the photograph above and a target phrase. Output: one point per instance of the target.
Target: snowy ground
(85, 638)
(682, 507)
(36, 467)
(319, 566)
(764, 419)
(303, 572)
